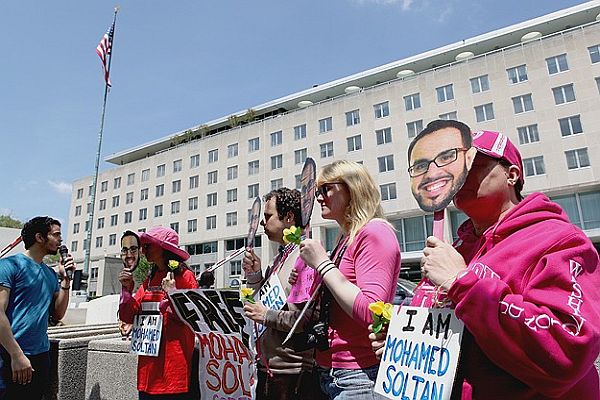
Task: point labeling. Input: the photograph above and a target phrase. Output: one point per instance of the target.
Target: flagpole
(88, 241)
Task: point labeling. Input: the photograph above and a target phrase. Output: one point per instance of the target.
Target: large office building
(538, 82)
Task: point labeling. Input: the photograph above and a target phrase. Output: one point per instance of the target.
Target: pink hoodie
(530, 303)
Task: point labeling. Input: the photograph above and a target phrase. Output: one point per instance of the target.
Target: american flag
(104, 49)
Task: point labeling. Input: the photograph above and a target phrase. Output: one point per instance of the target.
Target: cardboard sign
(145, 335)
(421, 354)
(226, 368)
(301, 289)
(272, 296)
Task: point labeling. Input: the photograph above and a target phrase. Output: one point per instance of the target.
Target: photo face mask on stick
(307, 199)
(254, 220)
(130, 252)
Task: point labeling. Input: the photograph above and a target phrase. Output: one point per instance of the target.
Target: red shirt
(169, 373)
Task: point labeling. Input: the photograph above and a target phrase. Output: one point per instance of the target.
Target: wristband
(321, 267)
(327, 270)
(321, 263)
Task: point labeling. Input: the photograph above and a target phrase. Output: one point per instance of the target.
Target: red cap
(498, 146)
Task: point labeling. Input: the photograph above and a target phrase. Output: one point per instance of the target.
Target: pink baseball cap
(166, 238)
(498, 146)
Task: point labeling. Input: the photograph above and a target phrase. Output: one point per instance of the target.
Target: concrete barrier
(111, 370)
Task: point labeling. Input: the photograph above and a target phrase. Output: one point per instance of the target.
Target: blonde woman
(363, 268)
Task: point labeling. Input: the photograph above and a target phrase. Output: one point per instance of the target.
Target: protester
(282, 372)
(207, 279)
(522, 279)
(169, 373)
(29, 292)
(365, 268)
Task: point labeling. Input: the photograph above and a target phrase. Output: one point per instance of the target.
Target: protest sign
(421, 354)
(145, 334)
(226, 366)
(272, 296)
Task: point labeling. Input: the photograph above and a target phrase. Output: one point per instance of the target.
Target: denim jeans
(355, 384)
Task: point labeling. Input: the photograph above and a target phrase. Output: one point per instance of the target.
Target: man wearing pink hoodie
(523, 280)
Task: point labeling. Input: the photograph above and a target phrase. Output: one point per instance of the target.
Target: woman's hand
(168, 282)
(312, 252)
(126, 279)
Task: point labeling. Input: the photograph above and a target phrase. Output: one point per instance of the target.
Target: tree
(6, 221)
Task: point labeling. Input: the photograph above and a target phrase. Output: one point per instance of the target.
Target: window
(517, 74)
(160, 170)
(128, 217)
(253, 191)
(89, 207)
(76, 228)
(480, 84)
(129, 198)
(194, 181)
(570, 126)
(583, 209)
(90, 188)
(276, 138)
(117, 183)
(115, 201)
(413, 128)
(522, 103)
(325, 125)
(192, 225)
(235, 268)
(175, 207)
(79, 193)
(557, 64)
(484, 112)
(98, 241)
(143, 194)
(445, 93)
(298, 181)
(594, 54)
(130, 179)
(175, 226)
(352, 118)
(160, 190)
(195, 161)
(112, 239)
(211, 199)
(143, 214)
(177, 165)
(534, 166)
(384, 135)
(563, 94)
(193, 203)
(253, 144)
(232, 195)
(447, 116)
(212, 177)
(232, 173)
(300, 156)
(388, 191)
(114, 220)
(386, 163)
(232, 150)
(102, 205)
(577, 158)
(213, 156)
(598, 84)
(300, 132)
(277, 162)
(276, 183)
(103, 188)
(354, 143)
(412, 102)
(100, 224)
(326, 149)
(77, 211)
(158, 211)
(176, 186)
(412, 232)
(528, 134)
(381, 110)
(253, 167)
(145, 175)
(231, 219)
(74, 245)
(211, 222)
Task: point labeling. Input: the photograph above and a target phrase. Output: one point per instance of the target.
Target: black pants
(289, 387)
(32, 391)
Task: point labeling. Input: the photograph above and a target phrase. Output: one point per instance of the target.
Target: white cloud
(404, 4)
(60, 187)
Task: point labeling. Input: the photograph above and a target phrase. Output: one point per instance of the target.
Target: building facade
(538, 82)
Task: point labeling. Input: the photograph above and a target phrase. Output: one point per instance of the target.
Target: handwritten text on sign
(145, 335)
(420, 355)
(226, 368)
(272, 296)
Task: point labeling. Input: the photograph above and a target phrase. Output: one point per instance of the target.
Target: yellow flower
(173, 264)
(382, 314)
(377, 307)
(247, 294)
(292, 234)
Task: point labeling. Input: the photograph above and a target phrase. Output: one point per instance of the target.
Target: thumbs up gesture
(168, 282)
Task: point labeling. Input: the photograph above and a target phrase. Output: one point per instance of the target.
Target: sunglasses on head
(323, 190)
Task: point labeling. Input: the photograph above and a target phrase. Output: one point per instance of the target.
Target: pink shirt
(371, 262)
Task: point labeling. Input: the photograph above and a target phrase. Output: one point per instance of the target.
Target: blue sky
(178, 64)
